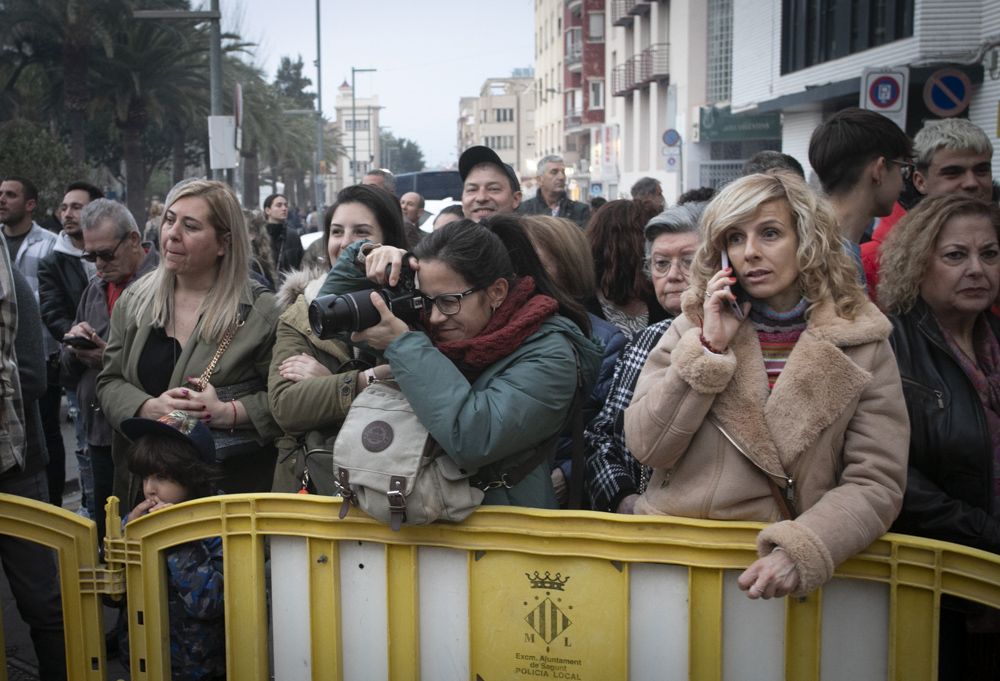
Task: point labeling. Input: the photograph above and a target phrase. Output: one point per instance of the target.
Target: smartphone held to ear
(736, 306)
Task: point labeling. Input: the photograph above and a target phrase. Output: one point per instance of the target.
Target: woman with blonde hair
(195, 335)
(778, 403)
(940, 276)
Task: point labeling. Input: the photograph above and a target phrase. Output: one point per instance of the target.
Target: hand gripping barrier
(507, 594)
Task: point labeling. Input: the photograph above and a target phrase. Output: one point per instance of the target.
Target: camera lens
(332, 314)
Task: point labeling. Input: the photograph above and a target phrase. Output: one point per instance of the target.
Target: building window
(503, 115)
(817, 31)
(595, 27)
(720, 50)
(356, 124)
(597, 94)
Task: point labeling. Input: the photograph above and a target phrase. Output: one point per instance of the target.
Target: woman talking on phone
(779, 402)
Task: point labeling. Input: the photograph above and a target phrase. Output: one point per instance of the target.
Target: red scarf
(519, 316)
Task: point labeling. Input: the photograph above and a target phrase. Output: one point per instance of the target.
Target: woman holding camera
(491, 370)
(787, 407)
(198, 313)
(309, 390)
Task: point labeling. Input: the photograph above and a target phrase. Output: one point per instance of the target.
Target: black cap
(177, 424)
(473, 156)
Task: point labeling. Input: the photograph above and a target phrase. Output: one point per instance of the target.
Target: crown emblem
(548, 581)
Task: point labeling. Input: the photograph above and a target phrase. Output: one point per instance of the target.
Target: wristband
(708, 346)
(232, 428)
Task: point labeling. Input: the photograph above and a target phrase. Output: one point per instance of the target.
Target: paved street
(21, 662)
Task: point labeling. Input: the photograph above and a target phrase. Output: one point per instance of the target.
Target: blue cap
(176, 424)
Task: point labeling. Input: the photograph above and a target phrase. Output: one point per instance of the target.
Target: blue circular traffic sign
(671, 138)
(884, 92)
(947, 92)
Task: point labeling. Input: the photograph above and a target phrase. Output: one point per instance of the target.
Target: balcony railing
(623, 78)
(619, 13)
(573, 119)
(574, 47)
(654, 63)
(637, 7)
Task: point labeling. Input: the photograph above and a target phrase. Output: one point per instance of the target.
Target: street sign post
(885, 91)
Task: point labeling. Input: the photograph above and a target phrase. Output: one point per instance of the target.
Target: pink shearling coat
(834, 429)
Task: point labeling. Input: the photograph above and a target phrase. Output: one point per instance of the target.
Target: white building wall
(944, 31)
(796, 129)
(548, 97)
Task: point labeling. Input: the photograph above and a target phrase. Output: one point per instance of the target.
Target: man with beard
(551, 198)
(62, 276)
(28, 245)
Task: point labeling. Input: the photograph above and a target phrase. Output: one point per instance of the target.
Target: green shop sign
(719, 124)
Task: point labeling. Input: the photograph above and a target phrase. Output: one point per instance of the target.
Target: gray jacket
(93, 309)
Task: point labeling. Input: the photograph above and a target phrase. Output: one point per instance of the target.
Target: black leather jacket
(61, 280)
(949, 488)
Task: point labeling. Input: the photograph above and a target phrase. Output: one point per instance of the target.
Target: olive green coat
(248, 357)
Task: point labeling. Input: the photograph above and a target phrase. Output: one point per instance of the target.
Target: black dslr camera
(333, 314)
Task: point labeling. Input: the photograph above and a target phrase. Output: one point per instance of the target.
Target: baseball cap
(473, 156)
(176, 424)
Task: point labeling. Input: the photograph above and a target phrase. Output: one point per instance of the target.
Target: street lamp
(318, 189)
(354, 125)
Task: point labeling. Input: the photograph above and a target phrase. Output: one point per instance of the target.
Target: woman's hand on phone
(720, 324)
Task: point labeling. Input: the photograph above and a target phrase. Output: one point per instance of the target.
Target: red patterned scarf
(519, 316)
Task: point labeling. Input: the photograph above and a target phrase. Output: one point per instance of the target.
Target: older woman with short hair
(614, 479)
(941, 274)
(782, 406)
(198, 312)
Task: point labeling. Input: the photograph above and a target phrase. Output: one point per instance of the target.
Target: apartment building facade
(358, 123)
(502, 117)
(804, 65)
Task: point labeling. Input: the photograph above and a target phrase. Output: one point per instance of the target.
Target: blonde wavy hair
(907, 251)
(826, 272)
(220, 307)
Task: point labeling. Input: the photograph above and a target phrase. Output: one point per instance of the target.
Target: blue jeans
(82, 454)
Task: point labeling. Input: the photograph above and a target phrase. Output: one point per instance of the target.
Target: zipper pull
(940, 398)
(790, 492)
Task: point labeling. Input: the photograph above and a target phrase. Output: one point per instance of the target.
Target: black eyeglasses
(905, 167)
(448, 304)
(106, 256)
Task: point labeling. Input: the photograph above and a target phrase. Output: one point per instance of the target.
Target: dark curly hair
(615, 234)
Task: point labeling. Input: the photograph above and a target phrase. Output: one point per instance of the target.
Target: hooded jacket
(62, 277)
(294, 403)
(832, 433)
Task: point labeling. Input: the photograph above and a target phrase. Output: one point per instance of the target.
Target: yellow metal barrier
(82, 578)
(511, 594)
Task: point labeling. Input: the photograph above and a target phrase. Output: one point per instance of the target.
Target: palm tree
(157, 73)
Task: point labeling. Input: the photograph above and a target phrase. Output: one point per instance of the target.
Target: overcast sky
(428, 53)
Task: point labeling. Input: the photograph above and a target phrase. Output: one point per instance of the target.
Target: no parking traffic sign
(884, 90)
(947, 92)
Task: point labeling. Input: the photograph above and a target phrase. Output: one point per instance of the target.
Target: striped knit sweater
(778, 332)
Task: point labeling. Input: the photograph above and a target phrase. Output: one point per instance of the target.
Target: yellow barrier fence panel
(803, 627)
(527, 593)
(403, 601)
(74, 540)
(324, 578)
(536, 616)
(705, 634)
